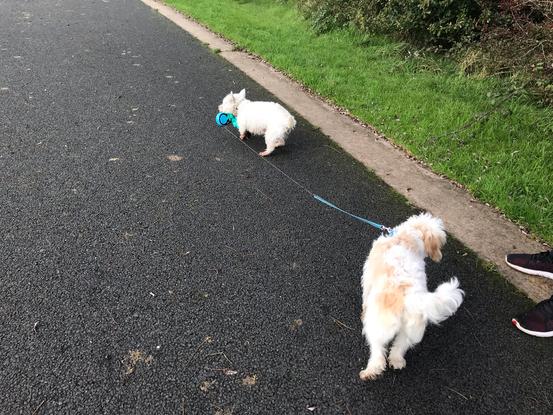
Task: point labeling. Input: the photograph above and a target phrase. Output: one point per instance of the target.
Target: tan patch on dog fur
(408, 242)
(392, 298)
(379, 269)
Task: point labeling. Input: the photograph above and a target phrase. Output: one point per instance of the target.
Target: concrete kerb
(478, 226)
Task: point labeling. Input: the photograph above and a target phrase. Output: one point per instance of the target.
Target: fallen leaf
(224, 411)
(206, 385)
(134, 357)
(296, 324)
(229, 372)
(174, 157)
(249, 380)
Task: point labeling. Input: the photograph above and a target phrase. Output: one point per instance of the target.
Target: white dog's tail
(291, 123)
(439, 305)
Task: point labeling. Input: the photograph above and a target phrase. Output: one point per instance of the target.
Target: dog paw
(396, 362)
(264, 153)
(370, 374)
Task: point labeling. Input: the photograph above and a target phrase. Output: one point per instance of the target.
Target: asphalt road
(151, 264)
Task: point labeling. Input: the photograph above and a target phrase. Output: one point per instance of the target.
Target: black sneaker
(536, 264)
(538, 321)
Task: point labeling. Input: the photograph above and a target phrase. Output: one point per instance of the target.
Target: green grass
(505, 160)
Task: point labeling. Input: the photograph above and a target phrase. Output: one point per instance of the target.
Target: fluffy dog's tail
(291, 123)
(439, 305)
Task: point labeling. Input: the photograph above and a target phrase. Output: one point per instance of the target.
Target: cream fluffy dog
(258, 117)
(396, 302)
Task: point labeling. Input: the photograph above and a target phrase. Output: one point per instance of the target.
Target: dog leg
(272, 140)
(379, 329)
(409, 335)
(269, 150)
(243, 133)
(377, 362)
(397, 352)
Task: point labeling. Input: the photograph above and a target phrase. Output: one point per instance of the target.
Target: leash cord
(316, 197)
(359, 218)
(301, 186)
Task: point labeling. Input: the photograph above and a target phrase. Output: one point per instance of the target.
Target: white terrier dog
(258, 117)
(396, 301)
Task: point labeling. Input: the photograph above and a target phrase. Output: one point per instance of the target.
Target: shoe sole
(530, 332)
(530, 271)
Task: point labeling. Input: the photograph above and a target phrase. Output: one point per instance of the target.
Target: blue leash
(378, 226)
(224, 119)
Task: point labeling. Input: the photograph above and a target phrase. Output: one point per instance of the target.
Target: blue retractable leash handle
(224, 118)
(378, 226)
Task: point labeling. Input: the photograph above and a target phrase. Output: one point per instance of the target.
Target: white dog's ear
(241, 95)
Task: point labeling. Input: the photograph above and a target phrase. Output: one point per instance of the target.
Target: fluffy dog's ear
(241, 95)
(434, 239)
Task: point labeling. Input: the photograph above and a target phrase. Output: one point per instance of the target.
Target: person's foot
(536, 264)
(538, 321)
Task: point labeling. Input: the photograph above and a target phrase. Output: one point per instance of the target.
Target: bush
(438, 23)
(519, 46)
(326, 15)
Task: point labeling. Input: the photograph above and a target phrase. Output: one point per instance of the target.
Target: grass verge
(501, 149)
